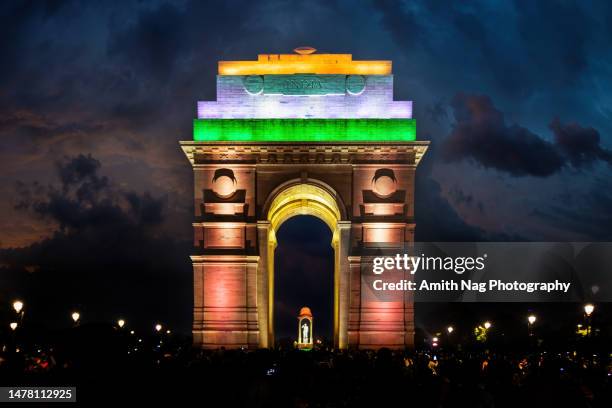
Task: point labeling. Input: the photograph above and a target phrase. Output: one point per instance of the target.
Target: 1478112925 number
(8, 394)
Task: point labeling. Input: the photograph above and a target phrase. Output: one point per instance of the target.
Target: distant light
(76, 316)
(13, 326)
(18, 305)
(588, 308)
(435, 339)
(531, 319)
(579, 326)
(487, 325)
(121, 323)
(131, 331)
(168, 332)
(450, 329)
(158, 327)
(434, 344)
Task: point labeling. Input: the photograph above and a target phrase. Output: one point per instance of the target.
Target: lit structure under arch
(305, 337)
(291, 134)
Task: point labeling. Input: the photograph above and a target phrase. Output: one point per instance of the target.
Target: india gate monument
(300, 134)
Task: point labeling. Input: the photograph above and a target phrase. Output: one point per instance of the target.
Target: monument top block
(305, 61)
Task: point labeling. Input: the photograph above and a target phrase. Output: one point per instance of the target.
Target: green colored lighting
(304, 130)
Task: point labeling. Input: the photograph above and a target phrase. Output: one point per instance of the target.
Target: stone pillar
(265, 316)
(354, 263)
(383, 214)
(225, 310)
(342, 283)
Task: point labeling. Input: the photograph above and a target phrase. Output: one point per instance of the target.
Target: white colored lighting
(487, 325)
(588, 308)
(158, 327)
(18, 305)
(450, 329)
(76, 316)
(121, 323)
(531, 319)
(13, 326)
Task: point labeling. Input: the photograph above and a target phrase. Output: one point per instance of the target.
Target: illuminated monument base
(329, 157)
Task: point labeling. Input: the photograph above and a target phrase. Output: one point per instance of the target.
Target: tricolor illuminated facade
(294, 134)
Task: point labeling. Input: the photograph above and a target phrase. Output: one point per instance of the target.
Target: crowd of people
(109, 367)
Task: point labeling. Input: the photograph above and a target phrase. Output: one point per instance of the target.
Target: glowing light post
(159, 334)
(449, 332)
(588, 311)
(18, 306)
(13, 326)
(487, 325)
(531, 319)
(76, 318)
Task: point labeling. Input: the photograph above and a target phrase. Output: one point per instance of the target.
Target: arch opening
(303, 199)
(304, 276)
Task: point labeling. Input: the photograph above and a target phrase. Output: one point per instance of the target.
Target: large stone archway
(267, 150)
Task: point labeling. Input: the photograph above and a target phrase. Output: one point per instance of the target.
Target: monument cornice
(202, 153)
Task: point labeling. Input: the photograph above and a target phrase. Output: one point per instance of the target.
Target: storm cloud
(481, 134)
(106, 251)
(580, 145)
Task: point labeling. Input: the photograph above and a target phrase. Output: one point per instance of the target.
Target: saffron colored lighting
(304, 130)
(284, 64)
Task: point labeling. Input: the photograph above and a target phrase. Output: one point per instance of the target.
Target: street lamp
(531, 319)
(487, 325)
(13, 326)
(121, 323)
(450, 329)
(18, 305)
(75, 317)
(588, 311)
(158, 327)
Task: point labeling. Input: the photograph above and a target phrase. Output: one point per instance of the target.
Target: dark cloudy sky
(95, 195)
